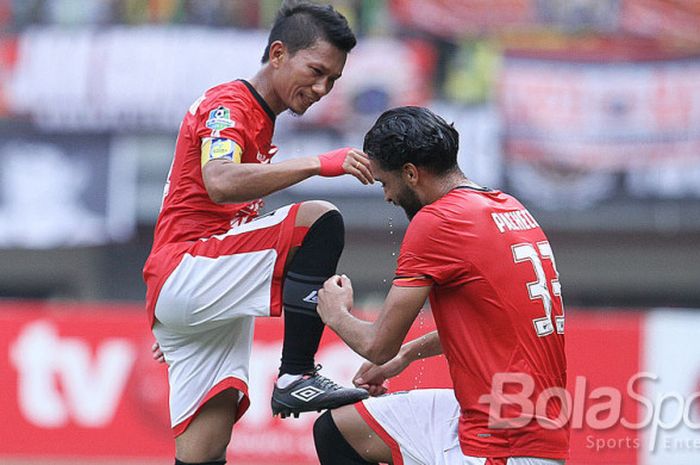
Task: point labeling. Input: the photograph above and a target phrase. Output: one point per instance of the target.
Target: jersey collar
(260, 100)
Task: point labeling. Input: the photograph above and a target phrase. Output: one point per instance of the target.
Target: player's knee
(315, 261)
(331, 445)
(326, 233)
(310, 211)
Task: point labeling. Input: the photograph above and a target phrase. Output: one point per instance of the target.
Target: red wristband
(332, 162)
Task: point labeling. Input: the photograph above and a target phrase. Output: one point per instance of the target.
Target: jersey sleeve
(428, 255)
(223, 130)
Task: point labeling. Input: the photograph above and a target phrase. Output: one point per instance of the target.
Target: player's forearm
(229, 182)
(361, 336)
(428, 345)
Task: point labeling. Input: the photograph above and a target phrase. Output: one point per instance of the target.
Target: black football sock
(314, 262)
(331, 447)
(216, 462)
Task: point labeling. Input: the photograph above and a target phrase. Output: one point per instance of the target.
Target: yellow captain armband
(219, 148)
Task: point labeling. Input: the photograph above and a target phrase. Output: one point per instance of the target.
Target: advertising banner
(78, 381)
(583, 126)
(64, 190)
(674, 20)
(603, 355)
(140, 79)
(672, 382)
(600, 115)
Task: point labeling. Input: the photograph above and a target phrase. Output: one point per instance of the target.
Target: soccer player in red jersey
(215, 264)
(489, 273)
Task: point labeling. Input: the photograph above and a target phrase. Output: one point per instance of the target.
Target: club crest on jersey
(219, 120)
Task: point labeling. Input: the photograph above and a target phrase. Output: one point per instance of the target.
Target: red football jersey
(230, 121)
(497, 305)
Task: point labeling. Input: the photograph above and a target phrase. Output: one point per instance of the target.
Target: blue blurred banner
(64, 191)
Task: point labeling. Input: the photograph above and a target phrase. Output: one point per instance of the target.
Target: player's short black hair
(413, 135)
(300, 24)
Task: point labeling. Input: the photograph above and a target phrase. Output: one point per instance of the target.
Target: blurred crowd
(466, 35)
(19, 14)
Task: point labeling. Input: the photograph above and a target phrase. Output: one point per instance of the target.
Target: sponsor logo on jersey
(219, 120)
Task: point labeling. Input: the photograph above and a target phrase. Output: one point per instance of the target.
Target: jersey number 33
(542, 288)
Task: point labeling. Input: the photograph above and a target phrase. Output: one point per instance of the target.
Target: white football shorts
(206, 309)
(420, 428)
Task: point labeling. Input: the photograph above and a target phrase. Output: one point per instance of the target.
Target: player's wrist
(331, 163)
(404, 357)
(411, 352)
(316, 164)
(336, 319)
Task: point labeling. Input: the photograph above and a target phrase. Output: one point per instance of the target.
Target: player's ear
(409, 171)
(278, 52)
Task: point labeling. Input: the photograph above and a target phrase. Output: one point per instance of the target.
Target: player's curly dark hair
(413, 135)
(299, 24)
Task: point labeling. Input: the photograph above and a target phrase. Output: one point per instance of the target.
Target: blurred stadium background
(587, 110)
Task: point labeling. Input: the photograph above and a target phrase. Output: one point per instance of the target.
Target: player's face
(396, 190)
(308, 75)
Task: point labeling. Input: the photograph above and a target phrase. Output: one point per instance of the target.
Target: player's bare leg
(342, 437)
(300, 388)
(206, 438)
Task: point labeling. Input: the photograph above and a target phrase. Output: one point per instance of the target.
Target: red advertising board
(603, 355)
(78, 381)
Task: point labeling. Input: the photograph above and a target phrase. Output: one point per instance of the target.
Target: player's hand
(157, 354)
(334, 299)
(373, 377)
(346, 161)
